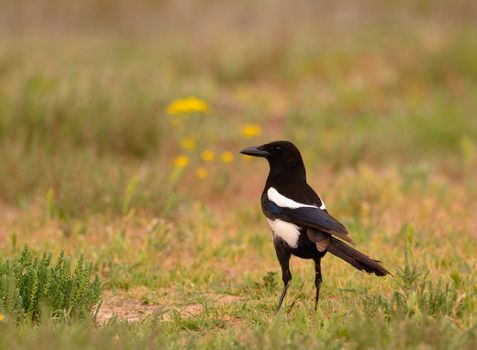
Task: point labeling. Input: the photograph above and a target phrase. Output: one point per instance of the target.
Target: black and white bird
(300, 222)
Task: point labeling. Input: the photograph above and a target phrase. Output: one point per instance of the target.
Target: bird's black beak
(255, 151)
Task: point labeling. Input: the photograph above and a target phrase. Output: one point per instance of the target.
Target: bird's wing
(316, 218)
(308, 216)
(320, 238)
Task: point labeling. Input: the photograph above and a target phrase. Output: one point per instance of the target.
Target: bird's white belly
(285, 230)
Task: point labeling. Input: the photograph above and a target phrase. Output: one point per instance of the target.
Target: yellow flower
(201, 173)
(188, 143)
(207, 155)
(227, 157)
(2, 317)
(187, 105)
(181, 161)
(251, 130)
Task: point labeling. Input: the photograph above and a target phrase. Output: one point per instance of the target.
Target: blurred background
(107, 105)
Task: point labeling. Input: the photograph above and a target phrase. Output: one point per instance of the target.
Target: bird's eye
(278, 148)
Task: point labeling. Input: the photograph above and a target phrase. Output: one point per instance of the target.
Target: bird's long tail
(355, 258)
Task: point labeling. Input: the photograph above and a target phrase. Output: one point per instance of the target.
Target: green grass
(381, 100)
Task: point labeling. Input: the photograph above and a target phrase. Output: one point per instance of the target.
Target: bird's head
(280, 154)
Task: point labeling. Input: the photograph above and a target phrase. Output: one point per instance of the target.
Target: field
(120, 127)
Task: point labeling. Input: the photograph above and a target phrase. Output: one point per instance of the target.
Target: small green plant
(30, 286)
(270, 282)
(416, 294)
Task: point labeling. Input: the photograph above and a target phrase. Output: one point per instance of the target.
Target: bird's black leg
(283, 256)
(318, 280)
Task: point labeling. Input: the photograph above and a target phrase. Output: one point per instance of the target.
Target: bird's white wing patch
(285, 202)
(285, 230)
(322, 206)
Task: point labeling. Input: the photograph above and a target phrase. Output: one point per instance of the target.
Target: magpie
(300, 222)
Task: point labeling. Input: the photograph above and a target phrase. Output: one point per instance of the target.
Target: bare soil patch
(125, 308)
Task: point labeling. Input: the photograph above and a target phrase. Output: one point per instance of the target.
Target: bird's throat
(285, 175)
